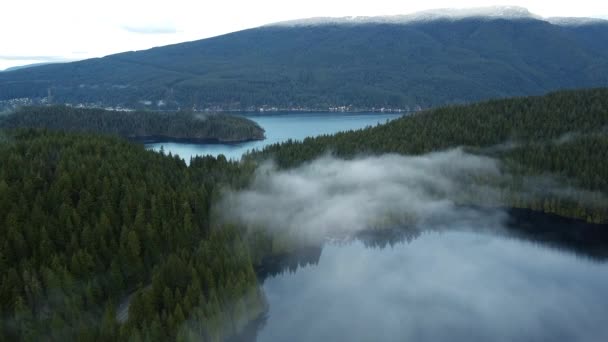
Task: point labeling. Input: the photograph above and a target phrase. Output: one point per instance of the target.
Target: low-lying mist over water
(331, 197)
(472, 268)
(449, 286)
(466, 273)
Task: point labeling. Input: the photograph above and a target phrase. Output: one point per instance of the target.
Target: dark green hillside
(86, 220)
(564, 134)
(138, 124)
(405, 65)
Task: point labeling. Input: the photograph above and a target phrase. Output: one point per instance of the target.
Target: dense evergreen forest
(88, 220)
(375, 64)
(137, 124)
(564, 134)
(103, 240)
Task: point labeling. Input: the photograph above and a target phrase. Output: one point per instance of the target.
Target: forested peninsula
(141, 125)
(90, 222)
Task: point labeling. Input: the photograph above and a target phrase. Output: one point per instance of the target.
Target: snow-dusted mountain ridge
(494, 12)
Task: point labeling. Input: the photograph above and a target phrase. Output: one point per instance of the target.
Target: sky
(36, 31)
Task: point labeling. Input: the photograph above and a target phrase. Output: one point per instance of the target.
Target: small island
(138, 125)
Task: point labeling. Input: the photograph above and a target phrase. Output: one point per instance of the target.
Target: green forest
(103, 240)
(137, 124)
(88, 220)
(564, 134)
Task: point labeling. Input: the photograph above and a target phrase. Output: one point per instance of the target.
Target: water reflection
(567, 235)
(276, 265)
(544, 278)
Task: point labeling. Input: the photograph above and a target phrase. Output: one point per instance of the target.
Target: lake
(280, 127)
(457, 284)
(537, 278)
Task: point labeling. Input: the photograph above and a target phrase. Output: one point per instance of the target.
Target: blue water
(451, 286)
(280, 127)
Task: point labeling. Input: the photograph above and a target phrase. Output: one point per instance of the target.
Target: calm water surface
(451, 285)
(280, 127)
(441, 286)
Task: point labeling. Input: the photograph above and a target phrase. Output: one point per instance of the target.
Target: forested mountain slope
(86, 220)
(374, 63)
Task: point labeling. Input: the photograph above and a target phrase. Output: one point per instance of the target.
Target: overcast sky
(54, 30)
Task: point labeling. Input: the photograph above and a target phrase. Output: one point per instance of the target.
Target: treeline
(564, 134)
(137, 124)
(103, 241)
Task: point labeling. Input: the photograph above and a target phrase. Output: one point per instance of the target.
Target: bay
(279, 127)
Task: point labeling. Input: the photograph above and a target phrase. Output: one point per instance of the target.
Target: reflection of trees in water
(565, 234)
(272, 266)
(388, 237)
(570, 235)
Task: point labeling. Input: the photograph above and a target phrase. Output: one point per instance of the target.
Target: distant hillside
(26, 66)
(404, 62)
(137, 125)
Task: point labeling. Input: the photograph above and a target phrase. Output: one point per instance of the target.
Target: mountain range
(400, 62)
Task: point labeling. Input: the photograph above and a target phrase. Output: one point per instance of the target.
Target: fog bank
(331, 197)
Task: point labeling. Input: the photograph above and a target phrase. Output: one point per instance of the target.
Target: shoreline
(154, 139)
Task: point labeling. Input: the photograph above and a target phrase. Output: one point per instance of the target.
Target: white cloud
(330, 196)
(154, 29)
(33, 58)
